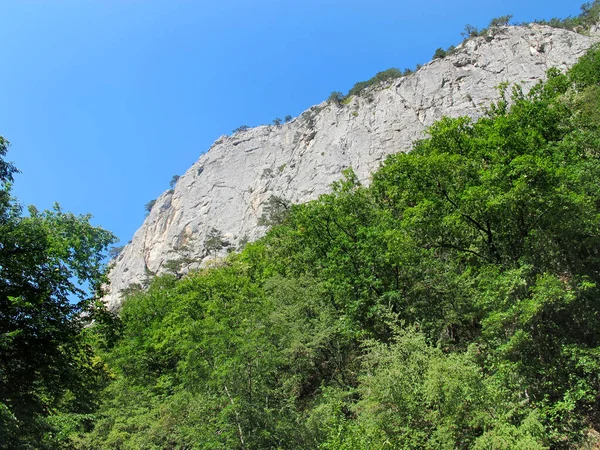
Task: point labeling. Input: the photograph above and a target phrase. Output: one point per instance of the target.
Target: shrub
(587, 73)
(240, 129)
(287, 118)
(440, 53)
(148, 207)
(174, 180)
(215, 241)
(275, 211)
(243, 242)
(113, 252)
(501, 21)
(358, 88)
(336, 97)
(379, 77)
(470, 31)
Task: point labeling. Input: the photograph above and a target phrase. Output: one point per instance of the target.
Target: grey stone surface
(226, 189)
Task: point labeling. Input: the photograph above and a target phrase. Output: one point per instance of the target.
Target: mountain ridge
(224, 193)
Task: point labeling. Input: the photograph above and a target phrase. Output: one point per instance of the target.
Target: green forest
(453, 303)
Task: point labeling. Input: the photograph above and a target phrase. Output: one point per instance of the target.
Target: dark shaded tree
(46, 362)
(336, 98)
(148, 206)
(440, 53)
(214, 241)
(241, 128)
(113, 252)
(275, 211)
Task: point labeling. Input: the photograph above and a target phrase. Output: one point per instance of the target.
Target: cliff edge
(223, 195)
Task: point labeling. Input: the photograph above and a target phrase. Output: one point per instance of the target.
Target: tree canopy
(49, 262)
(453, 303)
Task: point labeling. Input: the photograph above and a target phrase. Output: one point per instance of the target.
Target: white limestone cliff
(226, 189)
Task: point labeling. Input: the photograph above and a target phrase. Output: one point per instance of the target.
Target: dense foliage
(49, 376)
(453, 303)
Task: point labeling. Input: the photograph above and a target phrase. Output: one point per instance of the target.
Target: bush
(587, 71)
(470, 31)
(275, 211)
(113, 252)
(240, 129)
(336, 97)
(501, 21)
(215, 241)
(379, 77)
(440, 53)
(148, 207)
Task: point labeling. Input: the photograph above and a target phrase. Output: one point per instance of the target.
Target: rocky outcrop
(227, 188)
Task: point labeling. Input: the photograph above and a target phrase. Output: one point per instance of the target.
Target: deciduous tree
(46, 363)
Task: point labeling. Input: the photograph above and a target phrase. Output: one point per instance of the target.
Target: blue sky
(104, 101)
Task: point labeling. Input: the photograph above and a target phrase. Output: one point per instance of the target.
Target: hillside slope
(227, 188)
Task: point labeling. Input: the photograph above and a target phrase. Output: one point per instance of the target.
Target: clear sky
(105, 100)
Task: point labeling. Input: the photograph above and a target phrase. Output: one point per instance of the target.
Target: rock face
(228, 187)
